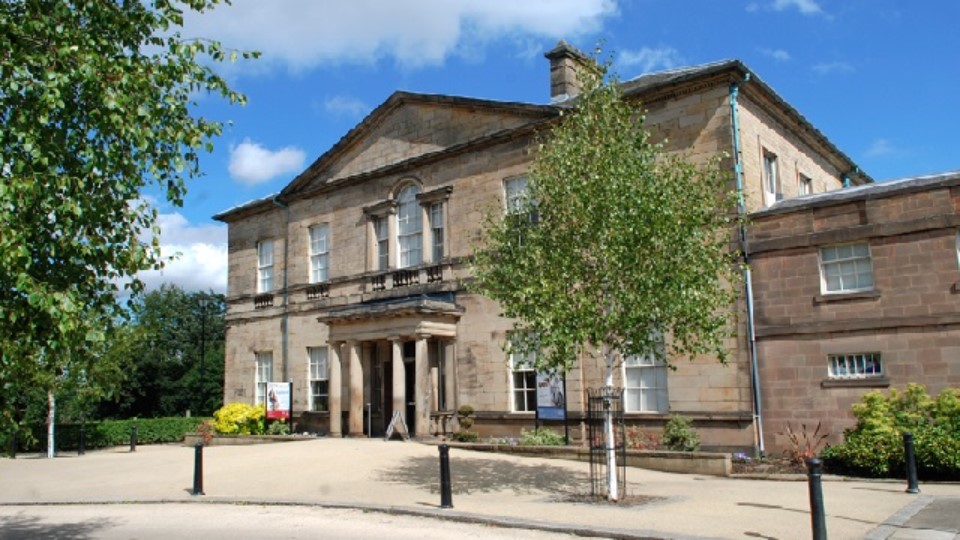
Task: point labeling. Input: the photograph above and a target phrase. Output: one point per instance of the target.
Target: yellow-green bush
(239, 419)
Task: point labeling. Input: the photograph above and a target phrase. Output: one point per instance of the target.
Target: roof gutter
(747, 279)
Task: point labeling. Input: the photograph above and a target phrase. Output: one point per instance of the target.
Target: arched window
(409, 227)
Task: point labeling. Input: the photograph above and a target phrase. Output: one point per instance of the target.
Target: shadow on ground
(470, 475)
(26, 527)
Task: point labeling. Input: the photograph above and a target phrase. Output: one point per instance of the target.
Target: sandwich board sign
(279, 400)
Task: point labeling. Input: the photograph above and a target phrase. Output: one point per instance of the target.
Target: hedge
(104, 433)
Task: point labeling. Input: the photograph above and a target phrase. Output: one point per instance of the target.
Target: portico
(395, 356)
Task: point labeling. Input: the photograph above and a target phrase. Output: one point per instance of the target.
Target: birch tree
(617, 246)
(97, 103)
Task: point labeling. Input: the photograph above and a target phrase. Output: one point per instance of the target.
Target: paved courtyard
(512, 491)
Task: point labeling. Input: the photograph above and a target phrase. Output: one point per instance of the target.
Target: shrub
(465, 436)
(278, 428)
(638, 439)
(679, 434)
(239, 419)
(541, 437)
(803, 445)
(874, 447)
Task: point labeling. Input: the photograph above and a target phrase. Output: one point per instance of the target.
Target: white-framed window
(263, 373)
(319, 253)
(319, 379)
(645, 383)
(409, 227)
(436, 231)
(381, 233)
(846, 268)
(805, 185)
(771, 178)
(264, 266)
(515, 192)
(523, 382)
(854, 366)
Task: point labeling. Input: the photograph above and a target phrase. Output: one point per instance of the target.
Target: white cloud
(650, 59)
(779, 55)
(880, 148)
(252, 164)
(345, 106)
(305, 33)
(828, 68)
(200, 256)
(806, 7)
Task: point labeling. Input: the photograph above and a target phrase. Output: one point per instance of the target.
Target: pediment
(408, 126)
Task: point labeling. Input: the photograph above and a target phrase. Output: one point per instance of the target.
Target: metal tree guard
(601, 402)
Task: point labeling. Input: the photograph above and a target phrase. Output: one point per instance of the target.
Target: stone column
(423, 387)
(355, 416)
(399, 380)
(434, 388)
(449, 375)
(334, 385)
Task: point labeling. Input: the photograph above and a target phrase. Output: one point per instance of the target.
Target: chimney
(565, 64)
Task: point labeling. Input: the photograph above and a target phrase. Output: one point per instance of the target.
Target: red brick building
(855, 290)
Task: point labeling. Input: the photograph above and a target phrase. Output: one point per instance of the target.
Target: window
(806, 185)
(263, 373)
(515, 191)
(264, 266)
(382, 233)
(409, 233)
(846, 268)
(319, 253)
(771, 179)
(645, 383)
(523, 382)
(854, 366)
(436, 231)
(319, 379)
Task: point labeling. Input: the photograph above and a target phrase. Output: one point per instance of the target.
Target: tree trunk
(51, 414)
(611, 443)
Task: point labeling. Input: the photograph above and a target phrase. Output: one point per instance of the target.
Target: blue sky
(880, 78)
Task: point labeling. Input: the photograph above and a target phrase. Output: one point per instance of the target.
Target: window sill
(842, 296)
(871, 382)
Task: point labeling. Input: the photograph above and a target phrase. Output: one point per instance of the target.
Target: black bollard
(446, 497)
(818, 519)
(13, 445)
(133, 438)
(911, 457)
(82, 447)
(198, 469)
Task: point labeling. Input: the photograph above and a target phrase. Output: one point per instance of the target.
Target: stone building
(348, 282)
(855, 290)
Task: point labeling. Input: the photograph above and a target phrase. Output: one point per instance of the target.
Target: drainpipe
(846, 176)
(286, 294)
(747, 281)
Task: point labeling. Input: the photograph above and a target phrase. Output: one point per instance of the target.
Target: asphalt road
(234, 522)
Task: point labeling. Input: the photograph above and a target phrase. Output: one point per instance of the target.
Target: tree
(617, 248)
(170, 333)
(95, 104)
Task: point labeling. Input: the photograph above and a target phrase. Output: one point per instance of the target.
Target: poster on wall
(278, 401)
(551, 403)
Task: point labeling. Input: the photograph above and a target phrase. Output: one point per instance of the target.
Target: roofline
(753, 80)
(227, 215)
(395, 100)
(891, 188)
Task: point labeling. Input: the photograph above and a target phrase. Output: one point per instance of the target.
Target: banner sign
(278, 401)
(550, 398)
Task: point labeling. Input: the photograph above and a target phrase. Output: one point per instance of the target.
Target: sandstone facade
(410, 338)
